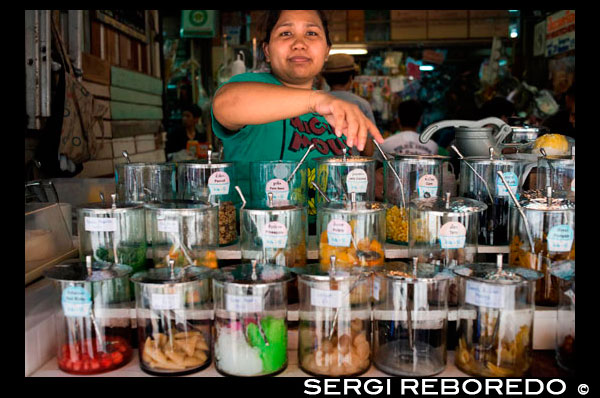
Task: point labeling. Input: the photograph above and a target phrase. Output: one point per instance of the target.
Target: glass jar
(495, 320)
(565, 316)
(552, 229)
(493, 222)
(354, 232)
(113, 234)
(251, 333)
(443, 232)
(557, 172)
(93, 323)
(334, 330)
(212, 182)
(185, 231)
(174, 311)
(339, 176)
(410, 319)
(145, 182)
(271, 177)
(421, 177)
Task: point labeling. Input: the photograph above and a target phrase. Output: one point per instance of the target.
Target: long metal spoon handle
(389, 163)
(126, 156)
(321, 192)
(487, 187)
(520, 209)
(310, 148)
(239, 191)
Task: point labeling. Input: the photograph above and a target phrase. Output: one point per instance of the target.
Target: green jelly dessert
(274, 355)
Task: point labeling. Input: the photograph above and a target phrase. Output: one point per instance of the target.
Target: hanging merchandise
(392, 61)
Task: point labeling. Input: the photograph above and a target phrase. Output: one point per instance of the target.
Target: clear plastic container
(410, 319)
(552, 229)
(185, 231)
(495, 320)
(354, 232)
(174, 311)
(493, 222)
(565, 316)
(251, 319)
(113, 234)
(339, 176)
(421, 177)
(212, 182)
(443, 232)
(93, 323)
(46, 234)
(271, 177)
(557, 172)
(334, 330)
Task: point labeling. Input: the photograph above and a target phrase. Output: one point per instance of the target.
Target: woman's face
(297, 49)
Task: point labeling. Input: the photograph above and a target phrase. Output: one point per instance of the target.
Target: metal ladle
(310, 148)
(520, 209)
(476, 173)
(385, 158)
(88, 265)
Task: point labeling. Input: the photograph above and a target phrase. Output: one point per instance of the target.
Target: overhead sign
(198, 23)
(539, 39)
(560, 32)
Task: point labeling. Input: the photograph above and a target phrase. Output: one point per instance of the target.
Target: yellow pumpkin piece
(363, 244)
(175, 357)
(375, 246)
(191, 361)
(499, 371)
(188, 345)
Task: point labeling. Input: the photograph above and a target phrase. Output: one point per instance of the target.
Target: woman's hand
(345, 117)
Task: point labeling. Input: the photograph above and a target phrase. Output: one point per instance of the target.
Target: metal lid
(203, 164)
(402, 271)
(107, 208)
(344, 160)
(274, 207)
(253, 274)
(165, 166)
(347, 207)
(455, 205)
(420, 157)
(537, 200)
(486, 160)
(278, 161)
(77, 271)
(179, 204)
(165, 275)
(490, 273)
(317, 272)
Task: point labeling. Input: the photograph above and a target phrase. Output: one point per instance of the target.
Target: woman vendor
(277, 115)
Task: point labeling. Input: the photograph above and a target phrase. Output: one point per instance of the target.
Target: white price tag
(235, 303)
(326, 298)
(279, 188)
(275, 235)
(511, 179)
(165, 301)
(427, 186)
(560, 238)
(357, 181)
(76, 302)
(169, 226)
(339, 233)
(484, 295)
(100, 224)
(218, 183)
(453, 235)
(376, 288)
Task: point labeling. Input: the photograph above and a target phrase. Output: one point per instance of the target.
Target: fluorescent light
(352, 49)
(426, 68)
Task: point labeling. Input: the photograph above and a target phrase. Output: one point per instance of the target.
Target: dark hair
(410, 112)
(338, 78)
(271, 18)
(497, 107)
(193, 109)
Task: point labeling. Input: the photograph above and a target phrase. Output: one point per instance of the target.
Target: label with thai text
(218, 183)
(339, 233)
(453, 235)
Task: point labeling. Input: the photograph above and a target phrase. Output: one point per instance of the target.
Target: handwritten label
(243, 303)
(339, 233)
(357, 181)
(169, 226)
(218, 183)
(279, 188)
(76, 302)
(560, 238)
(275, 235)
(326, 298)
(165, 301)
(511, 179)
(427, 186)
(100, 224)
(484, 295)
(453, 235)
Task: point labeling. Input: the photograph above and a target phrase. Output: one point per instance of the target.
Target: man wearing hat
(339, 72)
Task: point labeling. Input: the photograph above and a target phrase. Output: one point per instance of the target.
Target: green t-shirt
(281, 140)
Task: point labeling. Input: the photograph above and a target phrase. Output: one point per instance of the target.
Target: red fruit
(122, 348)
(68, 365)
(77, 366)
(117, 357)
(86, 366)
(95, 364)
(105, 363)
